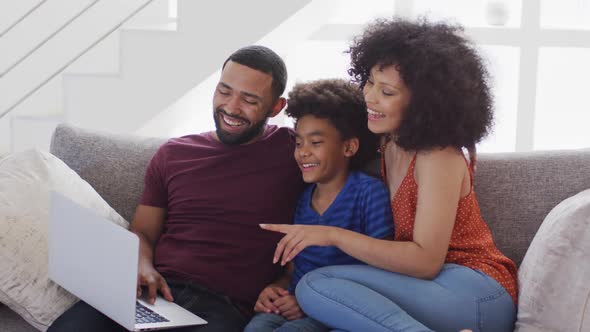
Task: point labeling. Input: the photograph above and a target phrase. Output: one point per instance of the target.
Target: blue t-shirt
(362, 206)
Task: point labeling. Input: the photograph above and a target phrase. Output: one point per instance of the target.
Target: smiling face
(387, 98)
(321, 153)
(242, 104)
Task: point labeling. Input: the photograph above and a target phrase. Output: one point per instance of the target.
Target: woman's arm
(439, 175)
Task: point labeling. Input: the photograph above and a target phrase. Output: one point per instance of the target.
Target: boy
(332, 144)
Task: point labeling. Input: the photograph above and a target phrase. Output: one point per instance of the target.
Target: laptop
(96, 260)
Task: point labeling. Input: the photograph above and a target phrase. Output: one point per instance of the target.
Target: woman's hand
(299, 237)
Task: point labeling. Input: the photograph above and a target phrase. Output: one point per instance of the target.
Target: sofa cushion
(553, 277)
(26, 179)
(114, 165)
(516, 191)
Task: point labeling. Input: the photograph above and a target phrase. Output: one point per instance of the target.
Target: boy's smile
(308, 167)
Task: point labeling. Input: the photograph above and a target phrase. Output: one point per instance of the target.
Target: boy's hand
(267, 297)
(288, 307)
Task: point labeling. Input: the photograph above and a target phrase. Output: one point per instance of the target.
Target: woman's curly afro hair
(341, 103)
(451, 103)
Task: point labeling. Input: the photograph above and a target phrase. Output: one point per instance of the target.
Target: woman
(427, 94)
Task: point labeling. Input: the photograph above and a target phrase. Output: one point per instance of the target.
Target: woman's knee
(324, 281)
(319, 290)
(307, 290)
(303, 290)
(312, 281)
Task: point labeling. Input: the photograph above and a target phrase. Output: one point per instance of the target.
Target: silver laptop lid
(93, 259)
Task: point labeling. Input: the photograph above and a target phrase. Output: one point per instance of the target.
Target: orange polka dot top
(471, 242)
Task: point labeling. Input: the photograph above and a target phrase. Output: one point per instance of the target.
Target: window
(537, 69)
(563, 111)
(503, 64)
(471, 13)
(537, 53)
(565, 14)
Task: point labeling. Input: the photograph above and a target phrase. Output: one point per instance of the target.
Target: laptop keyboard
(144, 315)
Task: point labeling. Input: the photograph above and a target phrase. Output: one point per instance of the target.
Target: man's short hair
(265, 60)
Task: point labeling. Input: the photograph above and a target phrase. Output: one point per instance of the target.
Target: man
(204, 197)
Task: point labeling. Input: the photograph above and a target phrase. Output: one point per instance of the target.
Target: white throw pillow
(554, 276)
(25, 182)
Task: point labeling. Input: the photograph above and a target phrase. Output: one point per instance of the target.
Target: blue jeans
(264, 322)
(365, 298)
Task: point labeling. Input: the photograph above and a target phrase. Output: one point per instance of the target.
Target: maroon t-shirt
(215, 196)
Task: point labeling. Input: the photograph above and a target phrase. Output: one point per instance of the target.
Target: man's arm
(148, 223)
(285, 279)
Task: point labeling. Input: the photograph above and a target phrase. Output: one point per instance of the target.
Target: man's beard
(238, 138)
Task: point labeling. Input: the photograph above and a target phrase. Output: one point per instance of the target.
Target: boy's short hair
(342, 103)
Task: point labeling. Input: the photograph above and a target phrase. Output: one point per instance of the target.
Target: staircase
(39, 39)
(117, 81)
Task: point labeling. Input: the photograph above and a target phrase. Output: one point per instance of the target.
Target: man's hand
(288, 307)
(266, 299)
(147, 224)
(149, 277)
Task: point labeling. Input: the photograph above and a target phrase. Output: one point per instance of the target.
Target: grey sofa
(515, 190)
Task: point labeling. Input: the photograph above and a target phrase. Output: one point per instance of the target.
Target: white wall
(160, 66)
(132, 76)
(538, 66)
(554, 115)
(52, 34)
